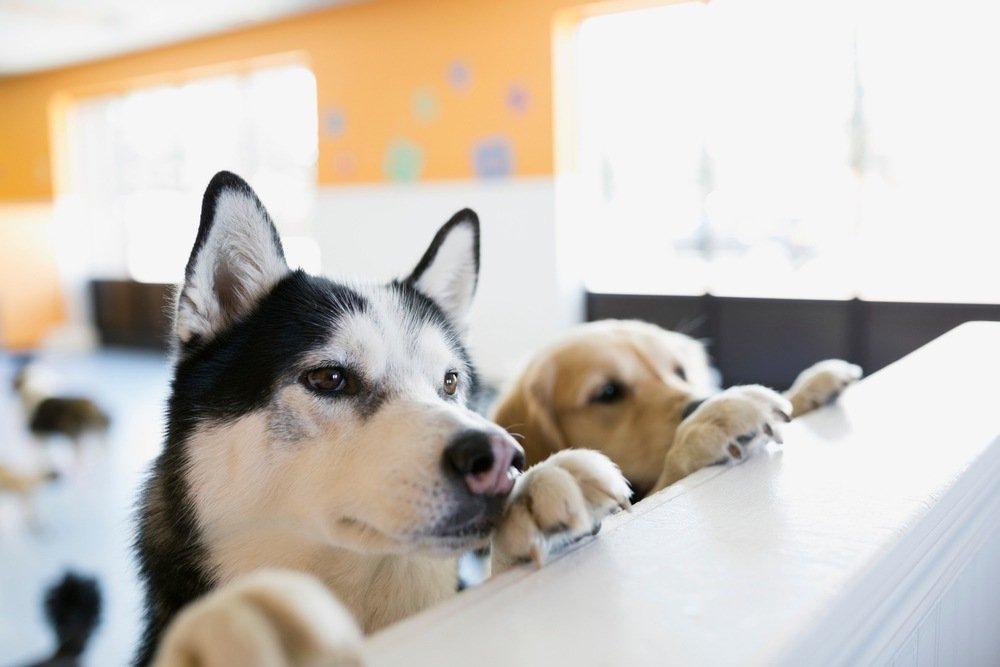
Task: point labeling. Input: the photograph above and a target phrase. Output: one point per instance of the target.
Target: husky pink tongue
(499, 479)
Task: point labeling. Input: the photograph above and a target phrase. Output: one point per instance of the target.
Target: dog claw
(536, 555)
(784, 415)
(773, 434)
(622, 502)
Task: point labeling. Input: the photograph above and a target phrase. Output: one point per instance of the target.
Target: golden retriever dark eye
(679, 371)
(611, 392)
(329, 380)
(450, 383)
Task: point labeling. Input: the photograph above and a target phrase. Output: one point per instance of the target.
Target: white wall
(381, 230)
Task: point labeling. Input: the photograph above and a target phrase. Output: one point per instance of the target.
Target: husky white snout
(487, 462)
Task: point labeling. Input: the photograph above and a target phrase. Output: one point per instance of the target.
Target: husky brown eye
(450, 383)
(329, 380)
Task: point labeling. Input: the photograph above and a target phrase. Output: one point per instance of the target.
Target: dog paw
(726, 427)
(557, 502)
(270, 618)
(821, 384)
(731, 424)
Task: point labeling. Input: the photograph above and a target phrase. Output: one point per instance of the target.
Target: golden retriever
(647, 398)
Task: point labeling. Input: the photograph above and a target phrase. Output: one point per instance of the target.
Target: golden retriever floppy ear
(527, 410)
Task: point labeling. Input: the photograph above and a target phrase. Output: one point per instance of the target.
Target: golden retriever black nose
(488, 462)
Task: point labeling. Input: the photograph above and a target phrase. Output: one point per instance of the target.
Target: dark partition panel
(131, 314)
(771, 340)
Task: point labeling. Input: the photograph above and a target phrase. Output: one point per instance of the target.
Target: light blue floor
(86, 517)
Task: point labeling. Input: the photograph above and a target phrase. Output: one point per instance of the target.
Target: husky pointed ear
(236, 260)
(449, 270)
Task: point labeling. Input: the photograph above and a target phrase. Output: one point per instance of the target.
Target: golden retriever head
(617, 386)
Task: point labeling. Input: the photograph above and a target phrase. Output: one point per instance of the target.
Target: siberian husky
(321, 471)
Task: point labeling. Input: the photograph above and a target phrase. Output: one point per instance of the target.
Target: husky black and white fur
(321, 471)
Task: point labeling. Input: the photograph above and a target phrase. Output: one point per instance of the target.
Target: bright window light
(302, 252)
(141, 161)
(781, 148)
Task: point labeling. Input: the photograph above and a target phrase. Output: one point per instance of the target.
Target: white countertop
(795, 553)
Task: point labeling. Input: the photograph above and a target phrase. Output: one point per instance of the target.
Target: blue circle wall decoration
(518, 98)
(493, 157)
(459, 75)
(334, 122)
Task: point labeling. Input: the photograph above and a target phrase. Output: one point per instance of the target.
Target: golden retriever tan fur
(651, 429)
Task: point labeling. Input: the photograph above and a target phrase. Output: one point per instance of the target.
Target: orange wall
(31, 299)
(370, 60)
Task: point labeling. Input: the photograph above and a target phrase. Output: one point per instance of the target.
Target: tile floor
(86, 517)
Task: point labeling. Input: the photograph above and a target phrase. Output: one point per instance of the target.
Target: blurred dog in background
(23, 485)
(50, 414)
(73, 610)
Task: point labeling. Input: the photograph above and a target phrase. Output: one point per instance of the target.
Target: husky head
(335, 412)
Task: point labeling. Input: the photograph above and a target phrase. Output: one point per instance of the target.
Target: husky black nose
(488, 462)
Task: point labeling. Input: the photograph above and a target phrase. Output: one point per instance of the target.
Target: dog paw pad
(558, 502)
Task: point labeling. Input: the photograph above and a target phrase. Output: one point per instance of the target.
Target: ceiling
(36, 35)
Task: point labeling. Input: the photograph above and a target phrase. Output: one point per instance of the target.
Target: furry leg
(269, 618)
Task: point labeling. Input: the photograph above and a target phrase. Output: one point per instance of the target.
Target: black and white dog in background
(321, 471)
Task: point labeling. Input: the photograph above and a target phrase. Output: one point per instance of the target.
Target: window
(140, 162)
(780, 148)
